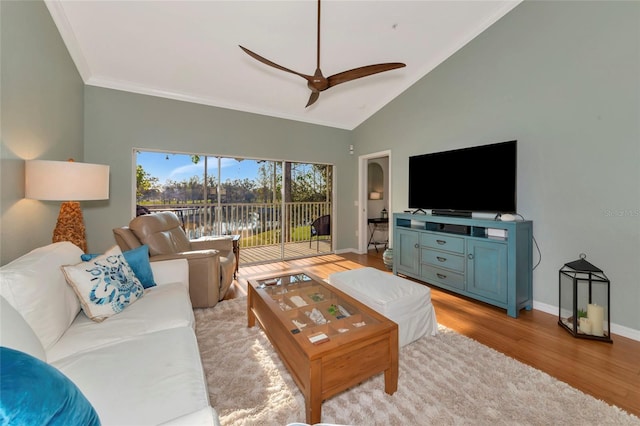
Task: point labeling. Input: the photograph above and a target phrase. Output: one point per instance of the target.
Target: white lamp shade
(66, 181)
(375, 196)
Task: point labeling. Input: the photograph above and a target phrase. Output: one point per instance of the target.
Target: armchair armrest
(189, 255)
(218, 243)
(204, 275)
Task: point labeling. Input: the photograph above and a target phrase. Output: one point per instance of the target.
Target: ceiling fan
(318, 82)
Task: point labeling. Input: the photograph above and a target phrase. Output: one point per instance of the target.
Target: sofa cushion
(138, 259)
(105, 285)
(146, 380)
(34, 285)
(16, 334)
(162, 307)
(35, 393)
(204, 416)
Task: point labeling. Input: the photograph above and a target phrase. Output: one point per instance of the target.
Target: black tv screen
(475, 179)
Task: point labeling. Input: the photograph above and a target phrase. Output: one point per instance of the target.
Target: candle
(595, 313)
(585, 325)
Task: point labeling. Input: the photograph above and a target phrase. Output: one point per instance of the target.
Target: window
(270, 204)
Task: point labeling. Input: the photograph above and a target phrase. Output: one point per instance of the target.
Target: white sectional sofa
(140, 366)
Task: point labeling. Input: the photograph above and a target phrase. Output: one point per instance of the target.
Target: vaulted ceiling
(188, 50)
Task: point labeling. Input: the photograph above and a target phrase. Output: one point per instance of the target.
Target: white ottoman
(404, 302)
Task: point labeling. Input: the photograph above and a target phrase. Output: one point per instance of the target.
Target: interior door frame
(363, 225)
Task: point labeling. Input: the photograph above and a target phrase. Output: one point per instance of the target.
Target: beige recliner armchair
(211, 259)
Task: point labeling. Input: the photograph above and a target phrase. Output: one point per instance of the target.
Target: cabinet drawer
(442, 259)
(436, 275)
(442, 241)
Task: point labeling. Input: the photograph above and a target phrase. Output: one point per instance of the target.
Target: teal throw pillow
(138, 260)
(35, 393)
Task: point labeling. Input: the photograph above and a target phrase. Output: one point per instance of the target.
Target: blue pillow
(35, 393)
(138, 259)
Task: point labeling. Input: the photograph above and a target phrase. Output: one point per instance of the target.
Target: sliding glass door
(272, 205)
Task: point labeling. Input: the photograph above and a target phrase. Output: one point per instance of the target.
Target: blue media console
(487, 260)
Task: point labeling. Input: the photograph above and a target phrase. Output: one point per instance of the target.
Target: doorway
(374, 199)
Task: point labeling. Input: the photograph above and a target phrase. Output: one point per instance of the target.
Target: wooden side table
(374, 223)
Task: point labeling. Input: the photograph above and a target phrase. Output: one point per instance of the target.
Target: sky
(178, 167)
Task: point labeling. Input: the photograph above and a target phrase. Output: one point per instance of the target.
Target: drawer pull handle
(441, 242)
(416, 245)
(470, 256)
(441, 276)
(441, 259)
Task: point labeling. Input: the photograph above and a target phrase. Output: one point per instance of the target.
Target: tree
(267, 185)
(310, 182)
(194, 186)
(144, 182)
(265, 181)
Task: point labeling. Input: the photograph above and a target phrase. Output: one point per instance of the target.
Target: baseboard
(349, 250)
(618, 329)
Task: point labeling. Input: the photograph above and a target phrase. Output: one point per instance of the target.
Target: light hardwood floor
(607, 371)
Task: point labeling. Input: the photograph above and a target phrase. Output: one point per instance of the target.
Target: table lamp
(66, 181)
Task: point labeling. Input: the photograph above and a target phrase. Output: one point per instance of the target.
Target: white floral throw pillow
(105, 285)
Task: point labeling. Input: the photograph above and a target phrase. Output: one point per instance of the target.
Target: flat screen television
(462, 181)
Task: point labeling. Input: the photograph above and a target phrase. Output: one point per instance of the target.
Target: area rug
(448, 379)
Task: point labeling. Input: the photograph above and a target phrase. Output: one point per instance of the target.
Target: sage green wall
(41, 102)
(563, 79)
(116, 122)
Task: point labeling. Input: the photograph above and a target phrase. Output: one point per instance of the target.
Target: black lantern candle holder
(584, 300)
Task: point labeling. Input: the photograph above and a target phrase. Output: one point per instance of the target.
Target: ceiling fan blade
(360, 72)
(274, 65)
(317, 82)
(313, 98)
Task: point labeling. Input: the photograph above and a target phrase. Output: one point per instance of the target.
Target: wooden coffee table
(324, 359)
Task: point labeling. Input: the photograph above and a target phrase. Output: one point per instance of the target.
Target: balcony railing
(258, 224)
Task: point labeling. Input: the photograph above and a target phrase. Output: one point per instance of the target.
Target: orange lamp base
(70, 225)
